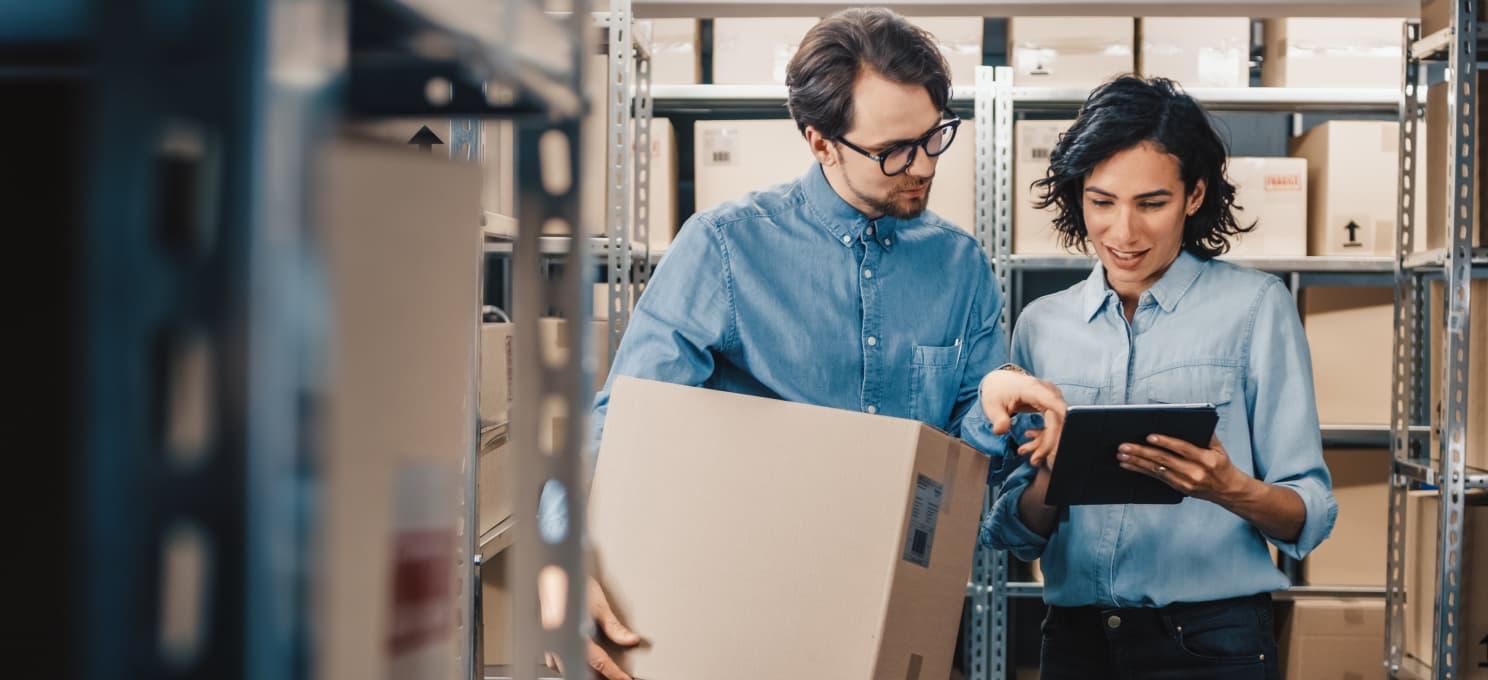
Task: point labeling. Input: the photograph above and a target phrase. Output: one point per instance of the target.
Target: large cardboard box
(1208, 52)
(1070, 51)
(735, 157)
(1423, 511)
(755, 51)
(1271, 193)
(1328, 639)
(1436, 15)
(1477, 372)
(1353, 170)
(1354, 554)
(496, 373)
(1332, 52)
(400, 419)
(960, 40)
(838, 543)
(1438, 162)
(1033, 229)
(1351, 332)
(674, 52)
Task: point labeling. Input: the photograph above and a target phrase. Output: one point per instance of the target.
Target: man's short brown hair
(821, 75)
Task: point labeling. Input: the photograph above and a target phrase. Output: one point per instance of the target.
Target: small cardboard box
(839, 543)
(1328, 639)
(1354, 554)
(1423, 517)
(1070, 51)
(755, 51)
(1353, 170)
(1351, 332)
(1208, 52)
(1033, 229)
(1271, 193)
(1332, 52)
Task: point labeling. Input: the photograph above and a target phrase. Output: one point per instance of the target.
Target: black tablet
(1086, 471)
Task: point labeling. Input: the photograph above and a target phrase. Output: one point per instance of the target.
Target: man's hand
(1196, 471)
(550, 595)
(1006, 393)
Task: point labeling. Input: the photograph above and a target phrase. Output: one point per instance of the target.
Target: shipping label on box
(735, 157)
(1271, 194)
(1033, 229)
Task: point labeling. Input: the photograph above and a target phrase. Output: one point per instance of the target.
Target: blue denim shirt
(1208, 331)
(793, 294)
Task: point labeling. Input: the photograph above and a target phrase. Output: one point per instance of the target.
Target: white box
(1273, 194)
(1070, 51)
(1208, 52)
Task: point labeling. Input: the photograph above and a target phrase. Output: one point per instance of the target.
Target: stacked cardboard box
(1422, 536)
(1033, 229)
(1353, 179)
(1209, 52)
(1271, 193)
(1351, 332)
(674, 52)
(1079, 52)
(1328, 638)
(1332, 52)
(858, 528)
(755, 51)
(960, 40)
(1354, 554)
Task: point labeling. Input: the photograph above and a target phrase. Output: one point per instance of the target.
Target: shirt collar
(842, 221)
(1168, 290)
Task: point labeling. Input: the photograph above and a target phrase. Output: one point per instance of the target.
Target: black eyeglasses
(897, 158)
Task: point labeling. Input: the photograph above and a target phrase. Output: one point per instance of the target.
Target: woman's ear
(1195, 198)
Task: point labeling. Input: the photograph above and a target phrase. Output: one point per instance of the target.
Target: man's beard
(895, 205)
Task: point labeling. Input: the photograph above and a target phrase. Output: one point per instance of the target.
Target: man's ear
(821, 147)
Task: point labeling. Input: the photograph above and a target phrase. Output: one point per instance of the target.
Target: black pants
(1219, 640)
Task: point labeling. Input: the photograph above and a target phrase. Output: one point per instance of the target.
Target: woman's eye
(1101, 203)
(1154, 206)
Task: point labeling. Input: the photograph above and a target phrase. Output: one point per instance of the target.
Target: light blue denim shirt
(793, 294)
(1208, 331)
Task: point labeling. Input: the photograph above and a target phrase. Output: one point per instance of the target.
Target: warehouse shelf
(1312, 264)
(1474, 478)
(1362, 436)
(755, 99)
(656, 9)
(1034, 589)
(1434, 46)
(504, 672)
(1437, 258)
(561, 246)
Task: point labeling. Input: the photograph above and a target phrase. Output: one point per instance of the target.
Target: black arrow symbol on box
(1352, 228)
(425, 139)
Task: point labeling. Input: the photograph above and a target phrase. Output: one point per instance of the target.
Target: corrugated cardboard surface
(1070, 51)
(735, 157)
(1272, 194)
(1332, 52)
(1351, 333)
(754, 538)
(402, 375)
(1423, 511)
(755, 51)
(1476, 445)
(1353, 170)
(1196, 52)
(1328, 639)
(1436, 193)
(1354, 555)
(1033, 229)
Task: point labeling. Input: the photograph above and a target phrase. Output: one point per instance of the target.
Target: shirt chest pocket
(934, 383)
(1206, 383)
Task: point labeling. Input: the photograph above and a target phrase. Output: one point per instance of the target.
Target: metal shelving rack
(1458, 44)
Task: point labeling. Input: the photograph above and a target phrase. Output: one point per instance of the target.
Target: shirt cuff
(1004, 529)
(1322, 512)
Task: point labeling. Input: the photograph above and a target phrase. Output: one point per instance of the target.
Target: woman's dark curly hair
(1121, 114)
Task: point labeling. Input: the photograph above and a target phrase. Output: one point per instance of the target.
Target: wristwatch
(1012, 367)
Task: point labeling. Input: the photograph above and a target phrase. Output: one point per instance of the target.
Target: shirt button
(1114, 622)
(867, 273)
(870, 230)
(846, 240)
(888, 241)
(872, 341)
(872, 409)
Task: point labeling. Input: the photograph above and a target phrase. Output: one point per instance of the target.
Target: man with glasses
(839, 288)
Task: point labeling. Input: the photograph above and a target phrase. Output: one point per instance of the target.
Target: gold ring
(1161, 469)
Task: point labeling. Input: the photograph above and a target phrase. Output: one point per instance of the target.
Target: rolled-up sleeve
(1003, 528)
(1284, 431)
(987, 349)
